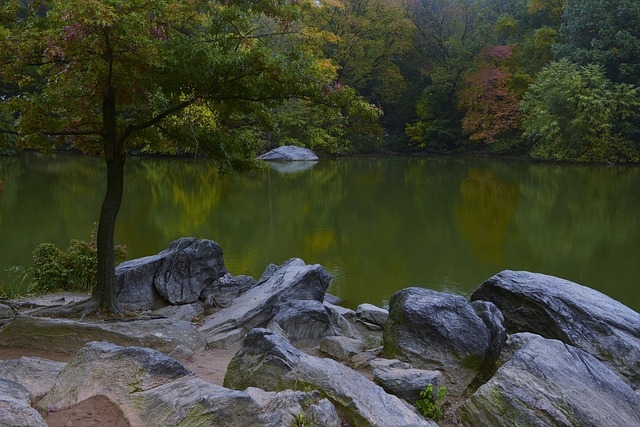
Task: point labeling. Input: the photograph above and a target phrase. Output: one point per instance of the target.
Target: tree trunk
(104, 293)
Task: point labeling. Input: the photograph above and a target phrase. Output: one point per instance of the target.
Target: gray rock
(6, 312)
(152, 389)
(225, 289)
(68, 336)
(402, 379)
(186, 312)
(293, 280)
(514, 343)
(494, 321)
(289, 153)
(304, 322)
(267, 360)
(15, 406)
(437, 331)
(177, 275)
(369, 313)
(181, 353)
(35, 374)
(574, 314)
(347, 313)
(341, 348)
(549, 383)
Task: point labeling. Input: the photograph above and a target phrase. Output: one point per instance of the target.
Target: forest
(547, 79)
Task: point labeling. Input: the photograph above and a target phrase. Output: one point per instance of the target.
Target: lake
(376, 224)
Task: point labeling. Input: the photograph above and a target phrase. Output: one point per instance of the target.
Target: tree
(575, 113)
(606, 33)
(105, 75)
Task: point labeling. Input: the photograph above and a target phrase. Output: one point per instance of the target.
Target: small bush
(75, 269)
(15, 282)
(430, 406)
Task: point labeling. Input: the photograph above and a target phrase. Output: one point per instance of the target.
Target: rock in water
(574, 314)
(267, 360)
(289, 153)
(549, 383)
(437, 331)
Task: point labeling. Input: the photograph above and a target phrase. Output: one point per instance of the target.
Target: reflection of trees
(485, 212)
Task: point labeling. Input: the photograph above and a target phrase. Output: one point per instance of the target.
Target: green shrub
(430, 406)
(15, 282)
(74, 270)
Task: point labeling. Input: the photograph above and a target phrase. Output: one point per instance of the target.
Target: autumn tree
(104, 75)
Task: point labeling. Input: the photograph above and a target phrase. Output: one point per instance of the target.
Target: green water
(376, 224)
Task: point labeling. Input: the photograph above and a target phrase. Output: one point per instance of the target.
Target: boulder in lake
(267, 360)
(152, 389)
(289, 153)
(550, 383)
(177, 275)
(293, 280)
(559, 309)
(437, 331)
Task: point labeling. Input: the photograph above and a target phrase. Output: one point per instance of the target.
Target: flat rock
(15, 406)
(268, 361)
(550, 383)
(559, 309)
(289, 153)
(68, 336)
(369, 313)
(402, 379)
(33, 373)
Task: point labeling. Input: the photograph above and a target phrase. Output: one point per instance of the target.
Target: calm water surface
(377, 225)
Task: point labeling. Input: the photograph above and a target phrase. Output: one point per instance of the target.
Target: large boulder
(303, 322)
(289, 153)
(68, 336)
(33, 373)
(549, 383)
(225, 289)
(437, 331)
(177, 275)
(152, 389)
(574, 314)
(15, 406)
(293, 280)
(267, 360)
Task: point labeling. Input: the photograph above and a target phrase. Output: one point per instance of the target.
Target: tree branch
(158, 118)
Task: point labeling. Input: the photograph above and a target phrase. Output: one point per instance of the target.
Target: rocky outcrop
(550, 383)
(15, 406)
(177, 275)
(267, 360)
(68, 336)
(303, 322)
(437, 331)
(152, 389)
(293, 280)
(225, 289)
(33, 373)
(402, 379)
(289, 153)
(574, 314)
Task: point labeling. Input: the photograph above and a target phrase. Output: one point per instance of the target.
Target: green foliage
(72, 270)
(430, 406)
(576, 113)
(16, 282)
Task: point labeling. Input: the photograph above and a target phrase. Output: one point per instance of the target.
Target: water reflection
(292, 167)
(378, 225)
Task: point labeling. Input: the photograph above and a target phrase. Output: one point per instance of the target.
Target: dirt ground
(210, 365)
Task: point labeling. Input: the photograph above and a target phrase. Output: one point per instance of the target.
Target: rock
(494, 321)
(6, 312)
(181, 353)
(289, 153)
(341, 348)
(332, 299)
(177, 275)
(68, 336)
(293, 280)
(186, 312)
(33, 373)
(514, 343)
(267, 360)
(574, 314)
(152, 389)
(369, 313)
(303, 322)
(225, 289)
(549, 383)
(402, 379)
(437, 331)
(347, 313)
(15, 406)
